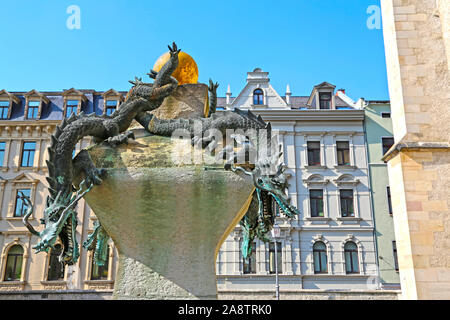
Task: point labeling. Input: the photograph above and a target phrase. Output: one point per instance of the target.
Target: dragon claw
(212, 86)
(95, 176)
(120, 139)
(173, 50)
(152, 74)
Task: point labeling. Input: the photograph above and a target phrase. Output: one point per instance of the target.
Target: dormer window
(33, 109)
(34, 104)
(111, 106)
(325, 100)
(4, 108)
(7, 102)
(322, 97)
(71, 107)
(111, 101)
(258, 97)
(73, 102)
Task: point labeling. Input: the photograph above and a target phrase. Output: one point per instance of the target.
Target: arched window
(14, 263)
(100, 272)
(258, 97)
(55, 267)
(351, 257)
(320, 257)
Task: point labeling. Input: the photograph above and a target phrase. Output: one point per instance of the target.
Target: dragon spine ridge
(231, 119)
(59, 216)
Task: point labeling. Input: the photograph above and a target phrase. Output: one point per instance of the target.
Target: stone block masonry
(417, 44)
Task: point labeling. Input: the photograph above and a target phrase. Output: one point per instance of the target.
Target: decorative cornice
(403, 146)
(310, 115)
(35, 93)
(10, 96)
(74, 93)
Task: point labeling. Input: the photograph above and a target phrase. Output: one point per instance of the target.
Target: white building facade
(330, 246)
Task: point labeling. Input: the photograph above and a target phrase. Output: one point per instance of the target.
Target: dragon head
(271, 186)
(59, 220)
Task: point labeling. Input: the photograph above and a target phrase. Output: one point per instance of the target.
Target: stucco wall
(377, 128)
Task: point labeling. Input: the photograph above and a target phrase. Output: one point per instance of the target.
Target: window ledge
(12, 285)
(349, 219)
(35, 169)
(18, 218)
(99, 284)
(317, 218)
(345, 167)
(315, 167)
(54, 284)
(98, 281)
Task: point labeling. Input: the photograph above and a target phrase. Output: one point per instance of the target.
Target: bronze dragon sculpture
(59, 214)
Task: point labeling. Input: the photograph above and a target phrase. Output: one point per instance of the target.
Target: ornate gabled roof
(325, 85)
(74, 92)
(111, 92)
(9, 95)
(35, 93)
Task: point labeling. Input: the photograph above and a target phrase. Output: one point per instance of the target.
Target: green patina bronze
(97, 241)
(110, 133)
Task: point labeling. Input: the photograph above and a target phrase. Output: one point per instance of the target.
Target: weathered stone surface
(188, 101)
(167, 220)
(418, 62)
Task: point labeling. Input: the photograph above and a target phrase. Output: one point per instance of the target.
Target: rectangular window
(250, 263)
(314, 153)
(325, 100)
(2, 153)
(21, 207)
(28, 154)
(387, 144)
(272, 257)
(394, 249)
(388, 190)
(55, 267)
(4, 107)
(385, 114)
(275, 208)
(316, 201)
(71, 107)
(100, 272)
(33, 109)
(343, 153)
(111, 106)
(347, 203)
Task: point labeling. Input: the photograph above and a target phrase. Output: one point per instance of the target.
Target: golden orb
(186, 72)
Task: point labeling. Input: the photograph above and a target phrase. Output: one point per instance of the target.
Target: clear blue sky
(300, 42)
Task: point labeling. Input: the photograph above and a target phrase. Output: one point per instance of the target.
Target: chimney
(228, 94)
(341, 90)
(288, 95)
